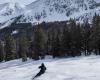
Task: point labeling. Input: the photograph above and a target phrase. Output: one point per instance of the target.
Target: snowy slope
(24, 2)
(47, 10)
(83, 68)
(10, 9)
(59, 10)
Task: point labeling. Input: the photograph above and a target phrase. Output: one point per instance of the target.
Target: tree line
(58, 39)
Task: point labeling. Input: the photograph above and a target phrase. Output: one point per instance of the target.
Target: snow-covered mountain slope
(24, 2)
(47, 10)
(83, 68)
(58, 10)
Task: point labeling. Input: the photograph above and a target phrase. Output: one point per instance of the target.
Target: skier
(42, 70)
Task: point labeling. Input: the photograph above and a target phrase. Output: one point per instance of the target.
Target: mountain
(47, 10)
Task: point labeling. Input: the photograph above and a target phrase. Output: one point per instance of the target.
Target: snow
(79, 68)
(47, 10)
(14, 32)
(60, 13)
(24, 2)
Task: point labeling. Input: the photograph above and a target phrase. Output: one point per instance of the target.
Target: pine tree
(95, 36)
(23, 45)
(66, 41)
(86, 37)
(10, 47)
(48, 45)
(52, 42)
(57, 45)
(1, 51)
(39, 43)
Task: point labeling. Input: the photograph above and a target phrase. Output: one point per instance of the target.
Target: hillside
(82, 68)
(47, 10)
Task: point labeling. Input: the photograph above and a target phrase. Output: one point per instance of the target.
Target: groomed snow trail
(79, 68)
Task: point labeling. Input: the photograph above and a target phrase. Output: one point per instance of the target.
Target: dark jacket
(42, 68)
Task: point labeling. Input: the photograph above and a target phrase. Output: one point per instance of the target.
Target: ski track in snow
(82, 68)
